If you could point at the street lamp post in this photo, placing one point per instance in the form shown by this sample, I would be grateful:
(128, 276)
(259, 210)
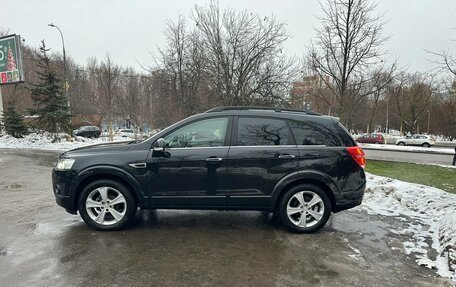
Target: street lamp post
(64, 63)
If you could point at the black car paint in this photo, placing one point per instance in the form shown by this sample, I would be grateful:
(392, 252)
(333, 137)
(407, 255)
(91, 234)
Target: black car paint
(246, 177)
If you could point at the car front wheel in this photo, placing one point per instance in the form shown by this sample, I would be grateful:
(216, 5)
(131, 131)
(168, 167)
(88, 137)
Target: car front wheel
(305, 208)
(106, 205)
(426, 145)
(401, 143)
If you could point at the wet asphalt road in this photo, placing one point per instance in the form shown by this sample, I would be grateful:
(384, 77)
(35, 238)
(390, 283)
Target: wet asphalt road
(42, 245)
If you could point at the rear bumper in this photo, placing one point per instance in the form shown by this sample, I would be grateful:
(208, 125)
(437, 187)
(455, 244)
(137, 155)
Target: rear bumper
(62, 182)
(349, 199)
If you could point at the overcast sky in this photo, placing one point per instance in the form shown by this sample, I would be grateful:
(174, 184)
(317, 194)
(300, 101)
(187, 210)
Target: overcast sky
(131, 30)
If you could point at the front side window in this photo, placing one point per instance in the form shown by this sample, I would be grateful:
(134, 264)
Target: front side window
(262, 131)
(307, 134)
(203, 133)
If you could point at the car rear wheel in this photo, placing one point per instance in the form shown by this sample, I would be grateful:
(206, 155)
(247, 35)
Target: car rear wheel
(401, 143)
(305, 208)
(107, 205)
(377, 143)
(426, 145)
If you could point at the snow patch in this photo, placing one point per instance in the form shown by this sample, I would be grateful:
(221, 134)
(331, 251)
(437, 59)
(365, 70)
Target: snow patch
(44, 142)
(440, 165)
(432, 217)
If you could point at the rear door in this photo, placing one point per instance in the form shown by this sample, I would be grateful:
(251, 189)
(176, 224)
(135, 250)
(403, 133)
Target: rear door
(262, 152)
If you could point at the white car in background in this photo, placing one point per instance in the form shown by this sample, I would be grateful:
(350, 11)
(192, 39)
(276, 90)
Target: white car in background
(416, 140)
(126, 133)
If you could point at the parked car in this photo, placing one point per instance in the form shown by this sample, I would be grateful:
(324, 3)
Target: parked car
(88, 132)
(126, 133)
(298, 164)
(374, 138)
(417, 140)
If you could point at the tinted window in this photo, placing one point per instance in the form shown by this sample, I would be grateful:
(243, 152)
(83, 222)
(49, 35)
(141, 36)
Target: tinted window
(203, 133)
(262, 131)
(308, 134)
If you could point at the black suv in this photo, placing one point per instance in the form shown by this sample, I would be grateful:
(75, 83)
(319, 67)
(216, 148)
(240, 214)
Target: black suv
(87, 131)
(299, 164)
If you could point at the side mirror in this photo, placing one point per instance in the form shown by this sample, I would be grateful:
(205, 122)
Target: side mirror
(160, 145)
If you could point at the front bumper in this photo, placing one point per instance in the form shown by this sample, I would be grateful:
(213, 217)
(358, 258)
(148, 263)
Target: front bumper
(62, 182)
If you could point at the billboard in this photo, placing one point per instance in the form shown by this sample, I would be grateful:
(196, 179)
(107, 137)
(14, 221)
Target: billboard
(11, 60)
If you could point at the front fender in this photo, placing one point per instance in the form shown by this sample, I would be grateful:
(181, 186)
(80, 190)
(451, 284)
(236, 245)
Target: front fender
(111, 172)
(312, 175)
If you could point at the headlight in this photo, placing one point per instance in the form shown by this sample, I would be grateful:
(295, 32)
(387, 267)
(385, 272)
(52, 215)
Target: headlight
(65, 163)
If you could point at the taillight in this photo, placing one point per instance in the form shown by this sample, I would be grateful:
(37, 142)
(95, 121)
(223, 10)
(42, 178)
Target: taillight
(357, 154)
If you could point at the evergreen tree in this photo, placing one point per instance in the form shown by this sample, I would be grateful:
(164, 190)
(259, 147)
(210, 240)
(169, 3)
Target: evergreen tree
(48, 97)
(13, 123)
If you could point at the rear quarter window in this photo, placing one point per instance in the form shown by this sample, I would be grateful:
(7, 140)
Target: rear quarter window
(343, 135)
(311, 134)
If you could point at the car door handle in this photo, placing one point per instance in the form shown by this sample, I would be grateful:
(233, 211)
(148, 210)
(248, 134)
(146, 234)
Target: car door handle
(311, 154)
(214, 159)
(138, 165)
(287, 156)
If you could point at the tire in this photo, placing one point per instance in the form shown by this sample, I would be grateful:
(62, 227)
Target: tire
(291, 210)
(102, 205)
(401, 143)
(376, 143)
(426, 145)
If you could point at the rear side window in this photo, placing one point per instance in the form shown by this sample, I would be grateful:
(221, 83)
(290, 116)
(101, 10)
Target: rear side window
(262, 131)
(309, 134)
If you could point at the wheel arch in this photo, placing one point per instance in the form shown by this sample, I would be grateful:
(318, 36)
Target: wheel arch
(305, 177)
(110, 173)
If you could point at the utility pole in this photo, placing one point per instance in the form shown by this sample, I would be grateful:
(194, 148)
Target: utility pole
(429, 120)
(64, 64)
(387, 114)
(1, 111)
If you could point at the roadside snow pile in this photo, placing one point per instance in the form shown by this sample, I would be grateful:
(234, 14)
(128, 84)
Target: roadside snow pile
(44, 142)
(408, 148)
(433, 216)
(439, 165)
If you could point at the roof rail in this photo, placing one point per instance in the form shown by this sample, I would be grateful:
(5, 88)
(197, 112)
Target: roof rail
(275, 109)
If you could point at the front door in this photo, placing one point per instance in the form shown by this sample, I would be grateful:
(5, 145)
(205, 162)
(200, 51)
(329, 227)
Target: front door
(190, 171)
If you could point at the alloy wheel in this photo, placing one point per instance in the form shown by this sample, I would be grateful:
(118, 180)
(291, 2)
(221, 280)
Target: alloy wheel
(305, 208)
(106, 205)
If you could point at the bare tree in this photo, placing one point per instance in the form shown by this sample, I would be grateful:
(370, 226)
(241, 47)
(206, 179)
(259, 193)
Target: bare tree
(108, 81)
(245, 64)
(130, 100)
(412, 94)
(347, 47)
(445, 62)
(380, 83)
(182, 64)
